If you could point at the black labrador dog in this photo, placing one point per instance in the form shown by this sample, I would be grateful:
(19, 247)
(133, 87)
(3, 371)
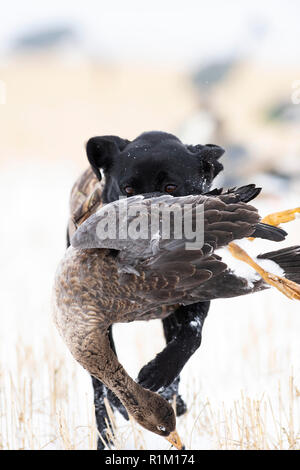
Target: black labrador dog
(155, 162)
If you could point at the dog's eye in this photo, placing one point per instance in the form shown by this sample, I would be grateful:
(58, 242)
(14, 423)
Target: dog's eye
(129, 190)
(170, 188)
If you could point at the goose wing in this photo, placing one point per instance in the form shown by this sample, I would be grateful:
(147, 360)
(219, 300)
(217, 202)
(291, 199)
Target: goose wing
(161, 268)
(136, 224)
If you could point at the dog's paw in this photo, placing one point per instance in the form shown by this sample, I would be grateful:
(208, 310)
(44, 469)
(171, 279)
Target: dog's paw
(155, 376)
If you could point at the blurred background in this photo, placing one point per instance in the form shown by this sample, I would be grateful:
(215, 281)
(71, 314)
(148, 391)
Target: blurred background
(217, 72)
(206, 72)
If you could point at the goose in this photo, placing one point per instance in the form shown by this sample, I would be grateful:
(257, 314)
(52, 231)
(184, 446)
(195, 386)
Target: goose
(103, 280)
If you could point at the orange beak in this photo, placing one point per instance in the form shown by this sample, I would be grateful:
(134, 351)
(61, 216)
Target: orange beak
(174, 439)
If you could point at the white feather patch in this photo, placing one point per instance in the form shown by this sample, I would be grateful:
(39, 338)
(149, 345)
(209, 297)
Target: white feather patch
(242, 269)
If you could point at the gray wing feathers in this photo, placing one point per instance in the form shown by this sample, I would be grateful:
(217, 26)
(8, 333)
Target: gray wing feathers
(170, 273)
(222, 223)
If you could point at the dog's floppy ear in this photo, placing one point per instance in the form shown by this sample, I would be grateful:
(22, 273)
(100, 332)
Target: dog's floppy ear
(101, 150)
(212, 151)
(209, 155)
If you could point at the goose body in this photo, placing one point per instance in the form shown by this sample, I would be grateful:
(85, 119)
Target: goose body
(100, 282)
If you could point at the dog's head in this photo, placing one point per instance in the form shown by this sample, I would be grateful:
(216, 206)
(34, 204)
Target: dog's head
(153, 162)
